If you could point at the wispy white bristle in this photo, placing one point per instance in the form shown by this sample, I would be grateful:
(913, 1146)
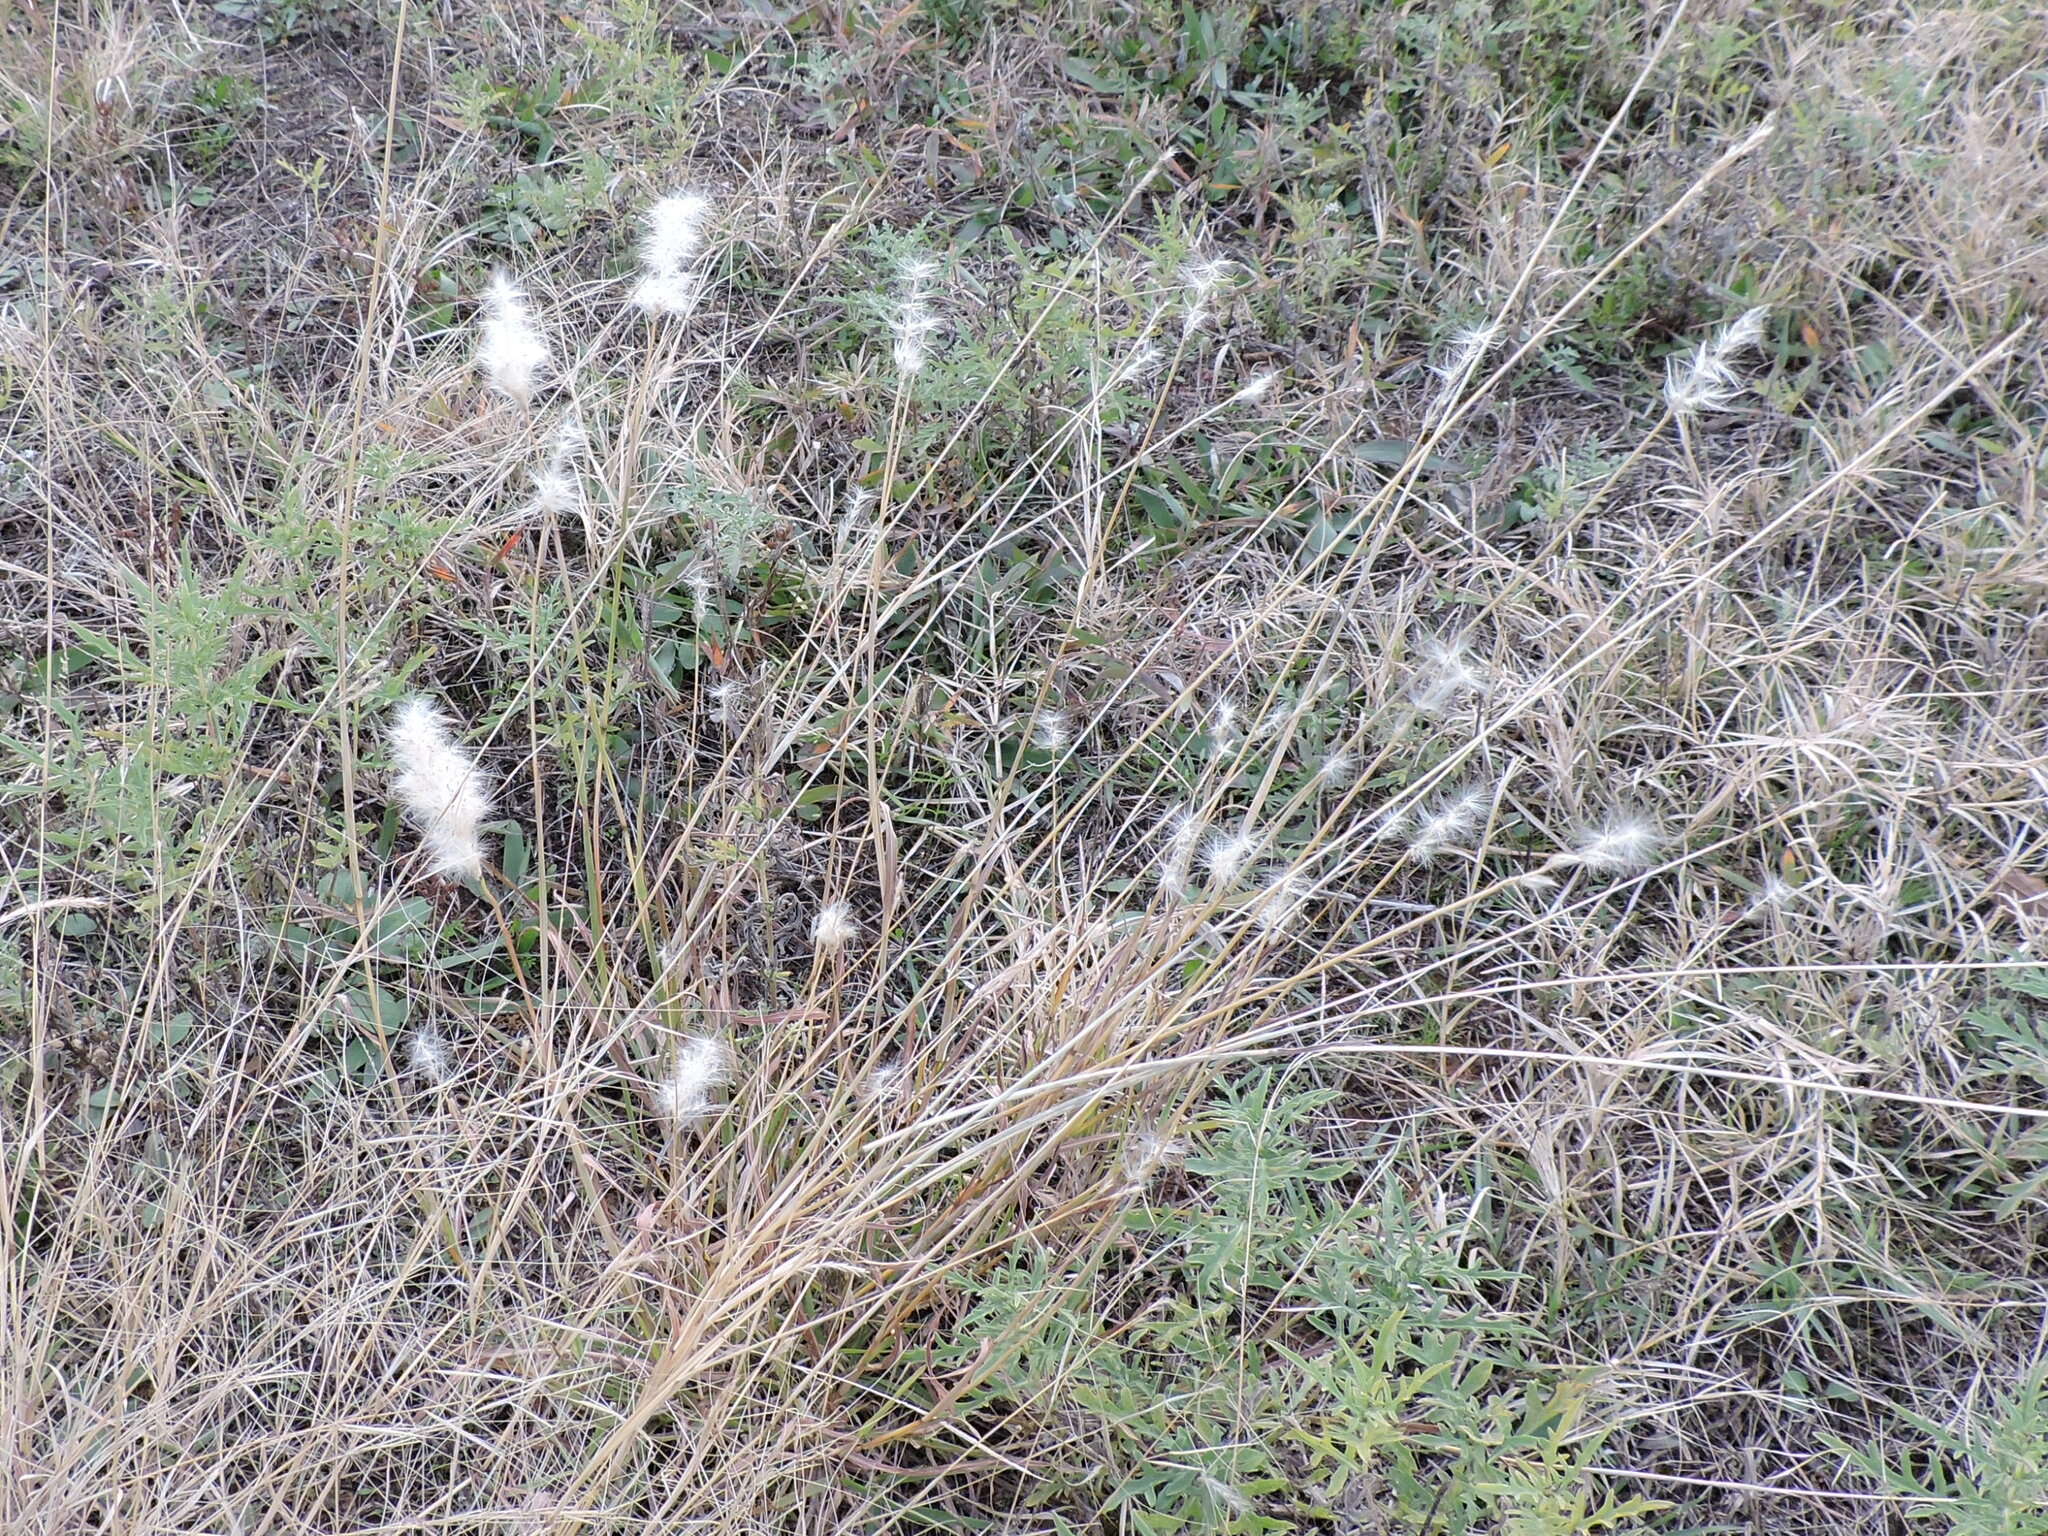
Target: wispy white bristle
(888, 1082)
(429, 1056)
(915, 326)
(1052, 732)
(1468, 348)
(1338, 769)
(1147, 1153)
(1281, 899)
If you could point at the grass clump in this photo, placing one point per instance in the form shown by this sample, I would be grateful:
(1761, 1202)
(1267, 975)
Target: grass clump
(993, 770)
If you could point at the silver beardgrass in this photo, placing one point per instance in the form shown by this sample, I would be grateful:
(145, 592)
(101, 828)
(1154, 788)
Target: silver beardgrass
(1180, 830)
(674, 239)
(557, 489)
(1256, 388)
(1201, 278)
(428, 1055)
(686, 1094)
(1618, 846)
(1448, 822)
(442, 791)
(510, 352)
(915, 325)
(833, 928)
(1467, 350)
(1282, 897)
(1704, 379)
(1226, 854)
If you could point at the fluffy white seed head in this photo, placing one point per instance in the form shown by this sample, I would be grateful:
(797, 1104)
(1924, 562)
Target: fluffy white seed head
(729, 700)
(1447, 676)
(674, 240)
(1147, 1153)
(914, 328)
(1226, 854)
(1141, 362)
(1052, 732)
(556, 492)
(1618, 846)
(510, 353)
(1180, 834)
(701, 1066)
(887, 1083)
(429, 1056)
(1704, 379)
(1201, 278)
(1468, 348)
(1225, 722)
(442, 791)
(834, 927)
(1338, 769)
(556, 487)
(1281, 899)
(669, 293)
(1204, 276)
(1256, 388)
(675, 232)
(1448, 822)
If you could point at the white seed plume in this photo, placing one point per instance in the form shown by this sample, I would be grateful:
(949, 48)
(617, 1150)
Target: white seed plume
(674, 240)
(1144, 358)
(675, 232)
(729, 699)
(1451, 820)
(440, 787)
(510, 352)
(1223, 722)
(1226, 854)
(1052, 732)
(834, 927)
(1281, 899)
(1181, 831)
(1704, 379)
(888, 1082)
(1256, 388)
(1468, 349)
(429, 1055)
(1447, 677)
(669, 293)
(556, 487)
(1337, 770)
(1773, 895)
(1618, 846)
(701, 1066)
(1201, 279)
(915, 325)
(1147, 1153)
